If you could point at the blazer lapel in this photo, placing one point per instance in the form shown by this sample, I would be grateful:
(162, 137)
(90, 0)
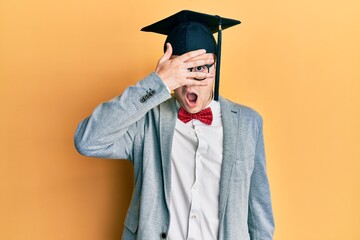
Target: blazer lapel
(230, 119)
(168, 116)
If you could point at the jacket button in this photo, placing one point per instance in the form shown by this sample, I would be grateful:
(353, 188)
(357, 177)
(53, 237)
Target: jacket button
(163, 235)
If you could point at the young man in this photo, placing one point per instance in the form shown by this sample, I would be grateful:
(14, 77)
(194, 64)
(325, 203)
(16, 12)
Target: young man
(199, 161)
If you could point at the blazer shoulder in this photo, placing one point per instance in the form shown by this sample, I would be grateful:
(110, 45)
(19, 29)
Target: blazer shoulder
(246, 111)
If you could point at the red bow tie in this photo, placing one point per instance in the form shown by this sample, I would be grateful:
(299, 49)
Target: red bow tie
(204, 116)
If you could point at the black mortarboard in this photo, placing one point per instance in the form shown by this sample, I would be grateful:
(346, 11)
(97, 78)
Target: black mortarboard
(187, 31)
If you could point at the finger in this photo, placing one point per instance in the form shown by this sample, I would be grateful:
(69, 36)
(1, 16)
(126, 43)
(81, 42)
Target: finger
(186, 56)
(191, 82)
(199, 75)
(167, 53)
(202, 56)
(197, 63)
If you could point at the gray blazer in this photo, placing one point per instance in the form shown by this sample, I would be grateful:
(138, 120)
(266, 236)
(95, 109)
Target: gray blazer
(139, 126)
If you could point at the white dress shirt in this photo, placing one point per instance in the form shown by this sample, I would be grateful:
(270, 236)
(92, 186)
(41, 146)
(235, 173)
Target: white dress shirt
(196, 158)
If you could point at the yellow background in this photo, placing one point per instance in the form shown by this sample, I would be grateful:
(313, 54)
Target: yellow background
(296, 62)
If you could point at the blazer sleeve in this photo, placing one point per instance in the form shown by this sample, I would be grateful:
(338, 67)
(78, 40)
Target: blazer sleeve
(110, 130)
(260, 218)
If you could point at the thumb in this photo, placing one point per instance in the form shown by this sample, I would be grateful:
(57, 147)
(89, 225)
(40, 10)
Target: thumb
(167, 53)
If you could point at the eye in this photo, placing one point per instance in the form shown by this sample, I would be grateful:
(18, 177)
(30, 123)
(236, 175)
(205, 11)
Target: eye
(200, 68)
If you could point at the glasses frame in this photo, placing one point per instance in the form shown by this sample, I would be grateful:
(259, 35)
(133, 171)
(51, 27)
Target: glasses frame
(208, 66)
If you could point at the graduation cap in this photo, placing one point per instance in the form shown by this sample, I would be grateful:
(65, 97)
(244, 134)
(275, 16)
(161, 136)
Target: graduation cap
(187, 31)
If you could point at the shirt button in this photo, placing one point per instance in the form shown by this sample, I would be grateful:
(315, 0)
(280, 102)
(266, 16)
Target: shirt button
(193, 216)
(163, 235)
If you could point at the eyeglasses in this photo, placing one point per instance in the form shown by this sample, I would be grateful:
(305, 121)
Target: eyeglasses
(203, 69)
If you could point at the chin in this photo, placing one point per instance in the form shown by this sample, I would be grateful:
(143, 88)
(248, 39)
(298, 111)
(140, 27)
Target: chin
(193, 109)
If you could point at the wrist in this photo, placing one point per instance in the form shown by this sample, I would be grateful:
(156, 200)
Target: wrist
(164, 82)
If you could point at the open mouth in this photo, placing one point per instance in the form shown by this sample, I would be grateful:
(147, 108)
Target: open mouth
(191, 97)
